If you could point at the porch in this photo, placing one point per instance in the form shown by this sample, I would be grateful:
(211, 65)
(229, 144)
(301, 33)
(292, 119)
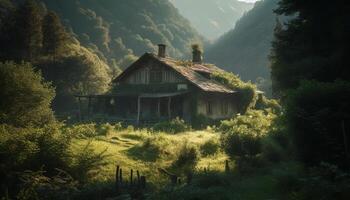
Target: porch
(132, 109)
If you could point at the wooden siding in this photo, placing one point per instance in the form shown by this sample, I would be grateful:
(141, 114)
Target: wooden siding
(217, 106)
(153, 74)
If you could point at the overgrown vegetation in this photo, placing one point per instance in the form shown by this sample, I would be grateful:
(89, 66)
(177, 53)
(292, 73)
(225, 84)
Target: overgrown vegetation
(246, 89)
(176, 125)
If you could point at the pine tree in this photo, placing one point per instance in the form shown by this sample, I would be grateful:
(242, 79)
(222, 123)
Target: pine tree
(54, 35)
(27, 32)
(314, 44)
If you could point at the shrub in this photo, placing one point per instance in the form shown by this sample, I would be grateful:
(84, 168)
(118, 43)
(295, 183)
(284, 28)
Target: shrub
(318, 117)
(242, 135)
(105, 129)
(212, 179)
(202, 122)
(118, 126)
(25, 96)
(174, 126)
(272, 151)
(87, 163)
(326, 181)
(265, 103)
(81, 131)
(247, 89)
(33, 149)
(210, 147)
(187, 158)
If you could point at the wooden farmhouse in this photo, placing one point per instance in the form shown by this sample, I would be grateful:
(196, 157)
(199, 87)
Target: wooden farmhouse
(156, 88)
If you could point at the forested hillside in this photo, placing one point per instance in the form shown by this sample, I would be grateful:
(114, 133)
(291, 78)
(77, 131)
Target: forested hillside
(212, 18)
(245, 49)
(32, 34)
(119, 30)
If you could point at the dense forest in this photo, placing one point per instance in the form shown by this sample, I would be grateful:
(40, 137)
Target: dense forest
(117, 37)
(212, 18)
(245, 49)
(293, 147)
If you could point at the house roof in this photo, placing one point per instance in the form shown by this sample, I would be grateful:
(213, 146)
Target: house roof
(190, 71)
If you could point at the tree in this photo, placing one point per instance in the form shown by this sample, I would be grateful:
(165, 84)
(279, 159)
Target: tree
(310, 71)
(54, 34)
(313, 45)
(25, 96)
(26, 34)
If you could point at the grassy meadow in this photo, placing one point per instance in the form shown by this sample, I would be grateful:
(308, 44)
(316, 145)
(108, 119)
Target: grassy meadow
(147, 150)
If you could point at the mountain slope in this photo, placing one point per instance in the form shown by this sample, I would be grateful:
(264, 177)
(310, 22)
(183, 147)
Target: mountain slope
(245, 49)
(119, 29)
(212, 18)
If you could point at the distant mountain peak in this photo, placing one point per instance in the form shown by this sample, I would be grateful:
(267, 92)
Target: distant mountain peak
(212, 18)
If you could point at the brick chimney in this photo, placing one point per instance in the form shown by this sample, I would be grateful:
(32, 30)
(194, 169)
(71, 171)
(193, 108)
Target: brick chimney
(196, 54)
(161, 50)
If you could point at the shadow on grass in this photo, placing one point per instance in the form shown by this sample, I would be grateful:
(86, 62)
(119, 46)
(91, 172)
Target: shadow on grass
(132, 137)
(147, 151)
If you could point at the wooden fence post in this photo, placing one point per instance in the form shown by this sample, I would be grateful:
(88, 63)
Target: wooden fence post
(227, 166)
(131, 174)
(143, 182)
(117, 178)
(121, 176)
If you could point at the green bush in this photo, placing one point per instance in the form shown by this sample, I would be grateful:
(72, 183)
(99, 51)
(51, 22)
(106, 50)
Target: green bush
(272, 150)
(87, 163)
(211, 179)
(264, 103)
(318, 121)
(25, 96)
(174, 126)
(247, 89)
(33, 149)
(325, 181)
(200, 122)
(242, 136)
(105, 129)
(210, 147)
(81, 130)
(187, 158)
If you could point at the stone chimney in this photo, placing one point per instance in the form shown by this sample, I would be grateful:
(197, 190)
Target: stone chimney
(197, 54)
(161, 50)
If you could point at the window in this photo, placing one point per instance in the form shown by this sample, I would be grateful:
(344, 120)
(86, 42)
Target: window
(155, 75)
(224, 108)
(209, 108)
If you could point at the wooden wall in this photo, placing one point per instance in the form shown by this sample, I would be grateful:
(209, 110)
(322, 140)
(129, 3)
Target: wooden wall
(153, 73)
(222, 106)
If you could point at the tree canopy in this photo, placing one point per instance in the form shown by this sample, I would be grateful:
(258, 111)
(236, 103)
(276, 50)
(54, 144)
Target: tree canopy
(25, 96)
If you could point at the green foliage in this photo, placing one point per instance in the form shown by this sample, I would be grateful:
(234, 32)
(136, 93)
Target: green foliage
(265, 103)
(124, 30)
(26, 33)
(173, 126)
(247, 90)
(318, 118)
(245, 49)
(36, 185)
(210, 147)
(25, 96)
(303, 49)
(87, 163)
(325, 181)
(200, 122)
(187, 158)
(81, 131)
(31, 149)
(54, 35)
(87, 75)
(242, 135)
